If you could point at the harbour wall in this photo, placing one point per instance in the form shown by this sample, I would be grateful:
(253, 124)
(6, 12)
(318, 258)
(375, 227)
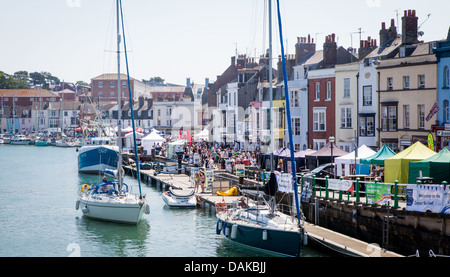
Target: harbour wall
(404, 232)
(395, 229)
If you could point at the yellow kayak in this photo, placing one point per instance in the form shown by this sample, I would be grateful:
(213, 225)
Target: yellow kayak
(231, 192)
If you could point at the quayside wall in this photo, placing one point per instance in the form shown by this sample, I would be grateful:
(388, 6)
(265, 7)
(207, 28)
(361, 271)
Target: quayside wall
(399, 230)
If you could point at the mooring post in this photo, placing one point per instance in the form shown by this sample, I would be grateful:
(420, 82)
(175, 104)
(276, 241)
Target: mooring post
(395, 194)
(314, 184)
(357, 191)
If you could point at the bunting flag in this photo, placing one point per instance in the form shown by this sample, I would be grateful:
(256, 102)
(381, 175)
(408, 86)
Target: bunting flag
(433, 111)
(189, 137)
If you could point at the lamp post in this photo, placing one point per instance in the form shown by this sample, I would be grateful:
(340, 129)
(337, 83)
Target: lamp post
(331, 139)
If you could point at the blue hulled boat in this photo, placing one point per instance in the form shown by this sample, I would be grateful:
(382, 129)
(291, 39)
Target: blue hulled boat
(98, 154)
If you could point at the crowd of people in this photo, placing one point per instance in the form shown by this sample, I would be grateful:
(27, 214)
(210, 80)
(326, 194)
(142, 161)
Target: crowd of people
(213, 155)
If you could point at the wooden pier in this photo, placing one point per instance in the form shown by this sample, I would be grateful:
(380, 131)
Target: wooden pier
(317, 235)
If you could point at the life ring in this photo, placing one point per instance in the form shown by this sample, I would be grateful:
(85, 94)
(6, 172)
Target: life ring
(220, 207)
(84, 187)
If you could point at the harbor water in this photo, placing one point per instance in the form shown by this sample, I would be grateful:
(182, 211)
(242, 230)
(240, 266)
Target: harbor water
(38, 191)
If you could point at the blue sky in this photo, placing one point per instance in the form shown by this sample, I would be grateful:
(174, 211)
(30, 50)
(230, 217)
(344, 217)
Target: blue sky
(176, 39)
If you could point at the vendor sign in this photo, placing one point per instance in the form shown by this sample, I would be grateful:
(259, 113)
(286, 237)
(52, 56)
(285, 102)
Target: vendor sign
(343, 185)
(433, 198)
(378, 193)
(284, 181)
(240, 170)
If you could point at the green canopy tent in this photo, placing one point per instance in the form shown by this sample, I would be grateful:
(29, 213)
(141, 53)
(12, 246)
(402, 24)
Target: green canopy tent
(436, 166)
(379, 157)
(397, 166)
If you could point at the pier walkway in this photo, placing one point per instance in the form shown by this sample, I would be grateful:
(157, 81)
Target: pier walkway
(327, 238)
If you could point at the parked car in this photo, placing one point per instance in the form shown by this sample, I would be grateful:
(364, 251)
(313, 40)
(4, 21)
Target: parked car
(321, 171)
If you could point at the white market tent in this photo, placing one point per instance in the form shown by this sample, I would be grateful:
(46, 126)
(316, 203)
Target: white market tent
(127, 129)
(349, 159)
(148, 141)
(202, 135)
(129, 140)
(172, 148)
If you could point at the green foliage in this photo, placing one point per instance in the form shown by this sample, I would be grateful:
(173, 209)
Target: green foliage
(10, 82)
(82, 83)
(154, 80)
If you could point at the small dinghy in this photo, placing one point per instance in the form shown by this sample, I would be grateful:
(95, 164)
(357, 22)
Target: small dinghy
(180, 200)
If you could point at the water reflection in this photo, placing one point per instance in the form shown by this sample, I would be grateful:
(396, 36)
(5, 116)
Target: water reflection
(110, 239)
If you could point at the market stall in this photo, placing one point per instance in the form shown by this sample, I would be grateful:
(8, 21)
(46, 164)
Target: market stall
(397, 166)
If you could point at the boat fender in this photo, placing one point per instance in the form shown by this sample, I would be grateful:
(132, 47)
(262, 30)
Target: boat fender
(77, 205)
(85, 209)
(305, 238)
(84, 187)
(147, 209)
(218, 227)
(227, 231)
(264, 235)
(234, 231)
(224, 227)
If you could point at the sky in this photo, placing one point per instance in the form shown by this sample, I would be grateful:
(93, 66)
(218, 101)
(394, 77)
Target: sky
(177, 39)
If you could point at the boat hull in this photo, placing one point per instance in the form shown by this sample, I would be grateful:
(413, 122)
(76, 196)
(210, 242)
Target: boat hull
(20, 142)
(113, 212)
(41, 143)
(94, 159)
(180, 201)
(270, 240)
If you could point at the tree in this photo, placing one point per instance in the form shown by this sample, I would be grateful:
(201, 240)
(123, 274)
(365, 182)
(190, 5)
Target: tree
(37, 78)
(154, 80)
(9, 82)
(82, 83)
(44, 78)
(22, 75)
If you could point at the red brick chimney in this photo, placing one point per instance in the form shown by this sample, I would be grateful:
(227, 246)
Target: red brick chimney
(329, 51)
(303, 48)
(409, 27)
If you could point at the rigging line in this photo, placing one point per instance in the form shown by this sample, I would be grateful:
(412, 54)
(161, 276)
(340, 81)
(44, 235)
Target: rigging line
(288, 113)
(106, 57)
(252, 20)
(264, 29)
(131, 104)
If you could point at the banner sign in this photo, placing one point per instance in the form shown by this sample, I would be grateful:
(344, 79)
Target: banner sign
(422, 198)
(284, 181)
(378, 193)
(336, 184)
(240, 170)
(193, 171)
(307, 189)
(209, 178)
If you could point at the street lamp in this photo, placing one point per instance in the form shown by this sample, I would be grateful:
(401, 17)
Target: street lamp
(331, 139)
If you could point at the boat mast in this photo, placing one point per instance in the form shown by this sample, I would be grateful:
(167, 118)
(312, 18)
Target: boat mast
(119, 102)
(288, 114)
(270, 85)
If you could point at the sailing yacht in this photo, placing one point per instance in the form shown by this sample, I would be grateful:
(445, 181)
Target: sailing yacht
(111, 200)
(260, 225)
(264, 227)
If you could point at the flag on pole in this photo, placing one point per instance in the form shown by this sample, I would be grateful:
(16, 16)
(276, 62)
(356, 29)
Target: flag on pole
(189, 137)
(433, 111)
(181, 134)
